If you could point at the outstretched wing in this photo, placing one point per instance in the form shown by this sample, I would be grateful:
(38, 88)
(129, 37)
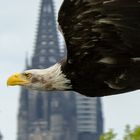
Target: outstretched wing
(100, 29)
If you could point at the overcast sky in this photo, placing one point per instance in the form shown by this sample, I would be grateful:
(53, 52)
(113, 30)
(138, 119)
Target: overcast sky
(18, 23)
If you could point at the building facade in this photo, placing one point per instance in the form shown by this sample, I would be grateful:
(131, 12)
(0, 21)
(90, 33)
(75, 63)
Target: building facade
(55, 115)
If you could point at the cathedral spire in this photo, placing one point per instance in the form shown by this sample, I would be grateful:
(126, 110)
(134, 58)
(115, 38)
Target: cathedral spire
(47, 46)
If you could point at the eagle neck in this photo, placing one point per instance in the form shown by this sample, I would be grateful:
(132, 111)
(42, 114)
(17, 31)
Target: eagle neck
(57, 78)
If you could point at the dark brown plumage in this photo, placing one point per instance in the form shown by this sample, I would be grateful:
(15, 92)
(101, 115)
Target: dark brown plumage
(103, 44)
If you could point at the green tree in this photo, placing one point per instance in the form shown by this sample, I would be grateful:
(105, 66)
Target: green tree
(130, 134)
(136, 133)
(110, 135)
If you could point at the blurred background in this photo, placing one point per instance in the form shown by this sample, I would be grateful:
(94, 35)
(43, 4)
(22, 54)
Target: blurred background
(19, 29)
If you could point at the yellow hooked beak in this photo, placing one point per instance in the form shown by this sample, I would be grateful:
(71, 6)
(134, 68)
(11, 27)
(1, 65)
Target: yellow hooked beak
(17, 79)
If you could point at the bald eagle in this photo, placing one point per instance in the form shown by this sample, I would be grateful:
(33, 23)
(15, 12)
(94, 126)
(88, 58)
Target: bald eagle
(103, 50)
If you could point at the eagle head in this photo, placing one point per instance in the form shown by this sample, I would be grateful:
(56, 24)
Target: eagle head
(31, 78)
(41, 79)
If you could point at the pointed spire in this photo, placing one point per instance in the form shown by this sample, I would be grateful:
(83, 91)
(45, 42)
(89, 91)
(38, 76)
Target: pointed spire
(46, 51)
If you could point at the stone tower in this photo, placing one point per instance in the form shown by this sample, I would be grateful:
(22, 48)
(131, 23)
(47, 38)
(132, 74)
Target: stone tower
(55, 115)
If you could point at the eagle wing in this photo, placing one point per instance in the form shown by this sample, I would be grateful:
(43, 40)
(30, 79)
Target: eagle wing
(99, 29)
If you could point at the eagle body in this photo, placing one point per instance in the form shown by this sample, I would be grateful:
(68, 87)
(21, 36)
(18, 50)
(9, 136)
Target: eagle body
(103, 50)
(103, 79)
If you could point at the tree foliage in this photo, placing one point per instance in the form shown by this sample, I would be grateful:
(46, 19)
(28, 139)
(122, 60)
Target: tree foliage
(110, 135)
(130, 134)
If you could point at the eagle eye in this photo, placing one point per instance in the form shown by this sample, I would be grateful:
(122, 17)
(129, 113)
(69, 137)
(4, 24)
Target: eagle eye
(27, 75)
